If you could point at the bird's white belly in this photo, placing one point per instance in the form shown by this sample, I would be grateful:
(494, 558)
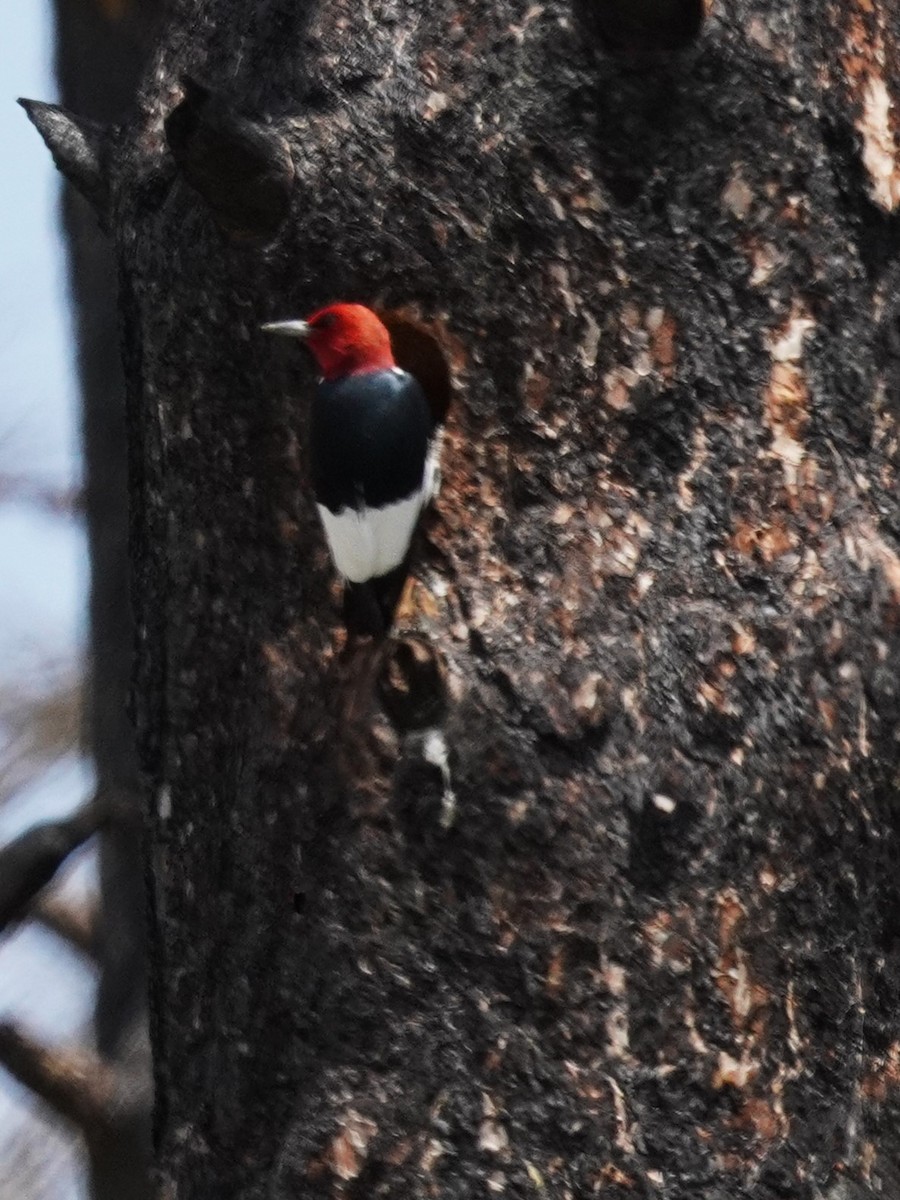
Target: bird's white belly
(369, 542)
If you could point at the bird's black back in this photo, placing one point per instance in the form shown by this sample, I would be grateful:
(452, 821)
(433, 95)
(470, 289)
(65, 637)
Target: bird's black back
(369, 439)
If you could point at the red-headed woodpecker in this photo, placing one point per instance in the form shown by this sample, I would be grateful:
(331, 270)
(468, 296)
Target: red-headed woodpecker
(374, 452)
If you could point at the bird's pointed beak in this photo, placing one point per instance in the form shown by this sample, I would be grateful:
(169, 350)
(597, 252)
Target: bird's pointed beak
(297, 329)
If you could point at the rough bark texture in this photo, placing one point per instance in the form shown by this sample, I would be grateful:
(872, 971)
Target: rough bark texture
(656, 954)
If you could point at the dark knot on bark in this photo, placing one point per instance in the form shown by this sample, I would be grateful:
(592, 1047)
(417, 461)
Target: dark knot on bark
(240, 167)
(641, 31)
(412, 683)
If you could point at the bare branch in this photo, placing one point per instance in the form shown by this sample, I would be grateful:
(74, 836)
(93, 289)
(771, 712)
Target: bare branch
(77, 146)
(74, 1082)
(60, 501)
(30, 862)
(75, 923)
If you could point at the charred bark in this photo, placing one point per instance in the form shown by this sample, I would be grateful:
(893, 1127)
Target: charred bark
(655, 951)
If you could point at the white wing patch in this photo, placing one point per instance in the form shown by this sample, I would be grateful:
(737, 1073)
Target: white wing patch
(369, 542)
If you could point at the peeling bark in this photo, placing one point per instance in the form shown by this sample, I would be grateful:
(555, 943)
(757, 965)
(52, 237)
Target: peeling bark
(655, 951)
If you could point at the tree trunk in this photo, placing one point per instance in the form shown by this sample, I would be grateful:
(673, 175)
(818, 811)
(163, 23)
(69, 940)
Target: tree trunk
(101, 51)
(656, 951)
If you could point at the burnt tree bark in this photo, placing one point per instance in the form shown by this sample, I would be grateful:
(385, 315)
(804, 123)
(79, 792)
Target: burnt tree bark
(656, 952)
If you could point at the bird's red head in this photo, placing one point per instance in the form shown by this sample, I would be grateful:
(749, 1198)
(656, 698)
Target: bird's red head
(348, 339)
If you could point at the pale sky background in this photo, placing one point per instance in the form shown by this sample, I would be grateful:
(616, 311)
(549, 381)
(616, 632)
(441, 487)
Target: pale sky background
(43, 577)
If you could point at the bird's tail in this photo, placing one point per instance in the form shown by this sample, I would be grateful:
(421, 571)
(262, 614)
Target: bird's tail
(369, 607)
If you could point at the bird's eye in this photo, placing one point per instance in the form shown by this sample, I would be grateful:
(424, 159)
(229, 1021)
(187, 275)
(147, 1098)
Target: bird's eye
(325, 321)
